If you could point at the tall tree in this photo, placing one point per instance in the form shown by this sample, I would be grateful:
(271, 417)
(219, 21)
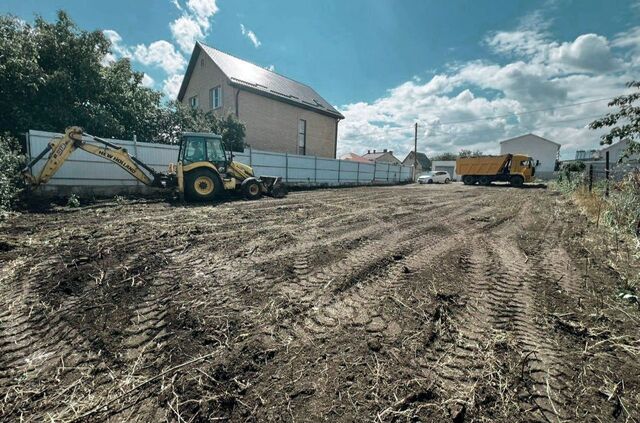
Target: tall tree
(625, 121)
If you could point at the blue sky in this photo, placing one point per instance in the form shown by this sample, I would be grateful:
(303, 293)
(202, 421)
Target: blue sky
(386, 64)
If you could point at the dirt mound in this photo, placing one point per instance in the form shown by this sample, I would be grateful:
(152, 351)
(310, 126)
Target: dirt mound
(414, 303)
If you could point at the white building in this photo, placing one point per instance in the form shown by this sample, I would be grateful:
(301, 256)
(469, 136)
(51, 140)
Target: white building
(542, 149)
(616, 151)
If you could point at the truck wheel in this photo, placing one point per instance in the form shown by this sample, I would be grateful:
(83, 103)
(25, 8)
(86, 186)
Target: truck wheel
(468, 180)
(202, 185)
(251, 189)
(516, 180)
(484, 180)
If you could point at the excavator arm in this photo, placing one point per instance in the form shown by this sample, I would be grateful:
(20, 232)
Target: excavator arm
(62, 148)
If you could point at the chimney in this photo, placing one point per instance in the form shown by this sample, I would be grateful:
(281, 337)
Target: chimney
(368, 151)
(374, 151)
(384, 151)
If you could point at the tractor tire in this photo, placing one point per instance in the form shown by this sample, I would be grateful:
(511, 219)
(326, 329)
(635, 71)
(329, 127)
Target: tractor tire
(251, 189)
(484, 180)
(468, 180)
(202, 185)
(516, 181)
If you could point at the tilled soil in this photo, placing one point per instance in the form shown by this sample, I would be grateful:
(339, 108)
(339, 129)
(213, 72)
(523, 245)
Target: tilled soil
(412, 303)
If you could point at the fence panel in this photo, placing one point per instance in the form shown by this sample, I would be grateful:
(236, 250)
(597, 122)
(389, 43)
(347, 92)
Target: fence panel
(88, 173)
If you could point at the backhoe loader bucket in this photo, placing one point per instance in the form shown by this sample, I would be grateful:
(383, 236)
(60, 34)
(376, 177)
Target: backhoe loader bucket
(273, 186)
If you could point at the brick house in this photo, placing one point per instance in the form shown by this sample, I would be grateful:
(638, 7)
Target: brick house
(280, 114)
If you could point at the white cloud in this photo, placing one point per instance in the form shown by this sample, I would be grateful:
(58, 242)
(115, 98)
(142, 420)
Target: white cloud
(251, 36)
(171, 86)
(451, 106)
(202, 10)
(176, 4)
(186, 31)
(588, 52)
(147, 81)
(161, 54)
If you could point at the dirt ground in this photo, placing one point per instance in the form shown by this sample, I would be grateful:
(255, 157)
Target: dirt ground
(411, 303)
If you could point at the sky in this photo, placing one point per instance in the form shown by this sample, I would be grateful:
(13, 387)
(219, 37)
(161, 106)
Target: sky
(470, 73)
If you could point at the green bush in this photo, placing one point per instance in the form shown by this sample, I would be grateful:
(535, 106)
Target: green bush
(623, 210)
(11, 161)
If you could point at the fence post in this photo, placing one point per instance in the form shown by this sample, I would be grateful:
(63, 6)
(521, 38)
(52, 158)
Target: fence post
(358, 175)
(375, 167)
(339, 168)
(315, 169)
(286, 167)
(606, 174)
(590, 177)
(388, 170)
(250, 156)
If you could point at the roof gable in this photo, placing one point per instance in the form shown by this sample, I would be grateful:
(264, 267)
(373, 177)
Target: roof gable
(532, 135)
(422, 159)
(261, 81)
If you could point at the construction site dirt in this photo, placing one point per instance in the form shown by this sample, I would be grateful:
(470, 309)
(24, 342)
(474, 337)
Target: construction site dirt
(407, 303)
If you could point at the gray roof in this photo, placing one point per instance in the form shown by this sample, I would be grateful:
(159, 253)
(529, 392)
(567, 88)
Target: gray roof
(261, 81)
(422, 159)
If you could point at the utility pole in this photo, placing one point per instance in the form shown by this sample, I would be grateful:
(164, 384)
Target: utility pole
(415, 152)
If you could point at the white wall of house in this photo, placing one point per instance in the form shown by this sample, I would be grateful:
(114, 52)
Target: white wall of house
(616, 151)
(448, 165)
(536, 147)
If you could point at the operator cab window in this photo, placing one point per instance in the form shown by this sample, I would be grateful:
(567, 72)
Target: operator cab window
(215, 151)
(194, 150)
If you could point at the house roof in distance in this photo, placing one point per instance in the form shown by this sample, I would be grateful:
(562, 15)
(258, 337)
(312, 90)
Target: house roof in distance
(534, 135)
(261, 81)
(422, 159)
(354, 158)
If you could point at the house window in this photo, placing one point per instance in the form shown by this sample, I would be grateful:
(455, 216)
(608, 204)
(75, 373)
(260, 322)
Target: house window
(202, 62)
(193, 102)
(216, 97)
(302, 137)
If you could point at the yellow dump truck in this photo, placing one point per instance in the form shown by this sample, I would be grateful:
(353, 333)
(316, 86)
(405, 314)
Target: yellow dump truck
(513, 168)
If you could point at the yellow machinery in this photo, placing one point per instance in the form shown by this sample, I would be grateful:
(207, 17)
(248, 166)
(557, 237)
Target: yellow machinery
(203, 170)
(513, 168)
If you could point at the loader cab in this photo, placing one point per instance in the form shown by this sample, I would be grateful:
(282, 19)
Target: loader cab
(202, 147)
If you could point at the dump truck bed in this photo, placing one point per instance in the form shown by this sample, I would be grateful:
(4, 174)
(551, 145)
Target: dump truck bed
(484, 165)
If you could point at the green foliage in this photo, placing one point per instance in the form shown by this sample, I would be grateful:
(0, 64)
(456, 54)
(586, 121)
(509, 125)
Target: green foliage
(73, 201)
(11, 161)
(573, 167)
(54, 75)
(445, 156)
(627, 119)
(177, 118)
(468, 153)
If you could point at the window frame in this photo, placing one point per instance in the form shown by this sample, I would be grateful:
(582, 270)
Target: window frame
(191, 102)
(302, 149)
(212, 97)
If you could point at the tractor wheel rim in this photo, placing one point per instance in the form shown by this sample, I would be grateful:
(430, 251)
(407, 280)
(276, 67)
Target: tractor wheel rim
(203, 185)
(253, 189)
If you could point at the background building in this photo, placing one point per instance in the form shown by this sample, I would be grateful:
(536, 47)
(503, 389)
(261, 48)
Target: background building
(542, 149)
(424, 164)
(281, 114)
(384, 156)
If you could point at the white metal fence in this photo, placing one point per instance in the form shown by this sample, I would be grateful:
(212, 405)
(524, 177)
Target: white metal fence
(88, 174)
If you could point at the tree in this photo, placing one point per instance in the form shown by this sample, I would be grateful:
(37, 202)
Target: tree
(627, 119)
(469, 153)
(53, 75)
(445, 156)
(177, 118)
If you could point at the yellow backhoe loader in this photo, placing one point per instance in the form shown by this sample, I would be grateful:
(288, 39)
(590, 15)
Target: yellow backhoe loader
(203, 170)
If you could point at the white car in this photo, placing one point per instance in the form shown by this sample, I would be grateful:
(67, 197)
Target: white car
(436, 176)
